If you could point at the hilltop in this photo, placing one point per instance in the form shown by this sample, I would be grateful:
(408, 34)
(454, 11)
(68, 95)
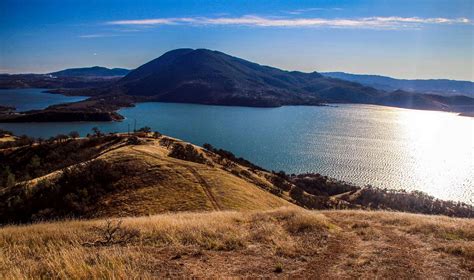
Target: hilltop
(113, 176)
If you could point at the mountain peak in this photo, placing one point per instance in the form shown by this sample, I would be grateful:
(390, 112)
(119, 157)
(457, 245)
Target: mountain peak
(211, 77)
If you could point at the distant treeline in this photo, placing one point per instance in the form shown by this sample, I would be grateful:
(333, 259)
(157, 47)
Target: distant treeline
(315, 191)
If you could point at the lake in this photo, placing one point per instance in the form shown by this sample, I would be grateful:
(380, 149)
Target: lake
(33, 98)
(386, 147)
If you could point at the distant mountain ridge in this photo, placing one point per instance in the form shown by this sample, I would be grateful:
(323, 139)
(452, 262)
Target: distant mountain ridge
(204, 76)
(434, 86)
(95, 71)
(212, 77)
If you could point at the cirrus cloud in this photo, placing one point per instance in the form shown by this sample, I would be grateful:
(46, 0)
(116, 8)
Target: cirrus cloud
(259, 21)
(91, 36)
(307, 10)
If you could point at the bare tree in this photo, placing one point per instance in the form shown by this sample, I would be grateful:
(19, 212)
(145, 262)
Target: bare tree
(112, 232)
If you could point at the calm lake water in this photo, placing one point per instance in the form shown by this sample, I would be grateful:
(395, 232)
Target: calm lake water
(33, 98)
(386, 147)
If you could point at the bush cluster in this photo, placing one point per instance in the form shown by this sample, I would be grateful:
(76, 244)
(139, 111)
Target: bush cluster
(230, 156)
(314, 191)
(186, 152)
(73, 194)
(24, 163)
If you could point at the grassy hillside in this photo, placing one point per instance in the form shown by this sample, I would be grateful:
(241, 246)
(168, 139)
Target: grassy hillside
(119, 175)
(122, 176)
(163, 183)
(287, 242)
(218, 216)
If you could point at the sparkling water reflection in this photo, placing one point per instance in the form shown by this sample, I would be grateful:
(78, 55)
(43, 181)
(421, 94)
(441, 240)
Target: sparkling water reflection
(385, 147)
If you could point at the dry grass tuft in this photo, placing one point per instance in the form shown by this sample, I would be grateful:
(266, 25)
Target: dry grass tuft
(459, 249)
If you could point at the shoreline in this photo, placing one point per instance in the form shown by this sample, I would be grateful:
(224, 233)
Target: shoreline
(106, 111)
(315, 191)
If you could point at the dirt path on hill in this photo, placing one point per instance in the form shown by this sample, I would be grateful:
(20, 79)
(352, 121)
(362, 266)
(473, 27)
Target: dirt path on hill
(206, 187)
(333, 260)
(374, 249)
(201, 181)
(356, 249)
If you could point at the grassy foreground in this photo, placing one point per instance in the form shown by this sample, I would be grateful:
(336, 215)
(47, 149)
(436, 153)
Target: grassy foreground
(286, 242)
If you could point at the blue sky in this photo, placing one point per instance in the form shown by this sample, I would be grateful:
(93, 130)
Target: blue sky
(406, 39)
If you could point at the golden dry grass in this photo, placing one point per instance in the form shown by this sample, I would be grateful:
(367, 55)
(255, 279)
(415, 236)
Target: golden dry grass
(165, 184)
(168, 184)
(240, 231)
(8, 138)
(434, 246)
(288, 242)
(60, 250)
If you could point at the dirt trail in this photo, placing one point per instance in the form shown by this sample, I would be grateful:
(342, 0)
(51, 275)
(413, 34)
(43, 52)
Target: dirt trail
(202, 182)
(379, 250)
(332, 260)
(206, 187)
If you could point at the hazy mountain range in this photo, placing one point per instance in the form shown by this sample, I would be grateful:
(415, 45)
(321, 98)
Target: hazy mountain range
(209, 77)
(434, 86)
(95, 71)
(212, 77)
(444, 87)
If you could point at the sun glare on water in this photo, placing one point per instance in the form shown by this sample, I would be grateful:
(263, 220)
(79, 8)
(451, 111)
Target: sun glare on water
(438, 151)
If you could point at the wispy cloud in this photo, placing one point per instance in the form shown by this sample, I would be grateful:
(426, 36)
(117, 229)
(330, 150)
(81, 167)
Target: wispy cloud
(152, 21)
(91, 36)
(250, 20)
(307, 10)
